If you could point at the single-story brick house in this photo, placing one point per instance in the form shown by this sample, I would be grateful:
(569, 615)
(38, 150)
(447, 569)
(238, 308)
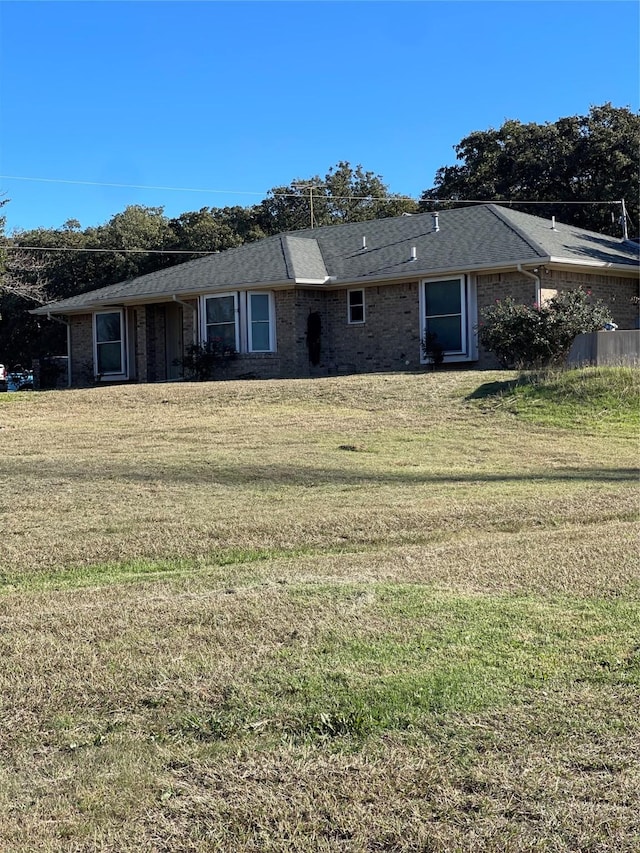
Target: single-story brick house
(356, 297)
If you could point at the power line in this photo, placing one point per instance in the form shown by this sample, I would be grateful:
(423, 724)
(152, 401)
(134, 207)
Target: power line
(510, 201)
(298, 194)
(126, 186)
(200, 189)
(119, 251)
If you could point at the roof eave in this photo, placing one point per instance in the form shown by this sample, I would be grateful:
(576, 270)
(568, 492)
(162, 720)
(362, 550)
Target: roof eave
(167, 296)
(631, 268)
(334, 283)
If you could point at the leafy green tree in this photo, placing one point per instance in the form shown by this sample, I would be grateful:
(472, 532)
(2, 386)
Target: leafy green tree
(213, 229)
(575, 159)
(344, 194)
(44, 265)
(136, 229)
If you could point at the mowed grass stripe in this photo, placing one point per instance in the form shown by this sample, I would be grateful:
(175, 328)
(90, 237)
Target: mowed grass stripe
(107, 476)
(593, 557)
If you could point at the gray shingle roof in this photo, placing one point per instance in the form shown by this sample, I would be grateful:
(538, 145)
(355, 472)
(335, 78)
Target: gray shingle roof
(569, 242)
(304, 259)
(468, 238)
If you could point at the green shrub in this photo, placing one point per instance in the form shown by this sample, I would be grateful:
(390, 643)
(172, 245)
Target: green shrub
(432, 349)
(203, 361)
(539, 335)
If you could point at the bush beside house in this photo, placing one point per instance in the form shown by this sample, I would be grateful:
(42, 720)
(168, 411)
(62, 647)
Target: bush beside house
(539, 335)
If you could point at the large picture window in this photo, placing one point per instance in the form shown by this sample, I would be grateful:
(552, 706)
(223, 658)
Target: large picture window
(444, 315)
(109, 343)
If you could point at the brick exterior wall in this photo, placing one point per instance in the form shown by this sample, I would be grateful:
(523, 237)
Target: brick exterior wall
(388, 340)
(156, 355)
(618, 293)
(81, 328)
(140, 344)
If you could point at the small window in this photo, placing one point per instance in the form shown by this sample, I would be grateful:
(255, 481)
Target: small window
(355, 306)
(109, 343)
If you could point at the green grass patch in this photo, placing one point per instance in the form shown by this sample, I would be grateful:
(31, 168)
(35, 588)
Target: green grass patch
(396, 655)
(134, 571)
(596, 398)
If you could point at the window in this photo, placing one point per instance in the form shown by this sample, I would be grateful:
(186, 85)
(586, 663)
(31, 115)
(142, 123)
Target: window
(221, 324)
(444, 314)
(109, 356)
(259, 322)
(355, 306)
(242, 322)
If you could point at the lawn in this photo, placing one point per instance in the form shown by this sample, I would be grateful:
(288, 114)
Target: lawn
(368, 613)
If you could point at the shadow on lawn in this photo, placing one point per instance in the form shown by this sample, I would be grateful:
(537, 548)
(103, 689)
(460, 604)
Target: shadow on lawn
(494, 389)
(299, 475)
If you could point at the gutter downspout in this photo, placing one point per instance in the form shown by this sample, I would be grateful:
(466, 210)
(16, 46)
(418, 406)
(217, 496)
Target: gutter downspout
(68, 325)
(194, 308)
(536, 278)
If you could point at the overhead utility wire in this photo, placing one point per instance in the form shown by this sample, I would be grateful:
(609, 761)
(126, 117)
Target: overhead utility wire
(296, 195)
(80, 250)
(126, 186)
(119, 251)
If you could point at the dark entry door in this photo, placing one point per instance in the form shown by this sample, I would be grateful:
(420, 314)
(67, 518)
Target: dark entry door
(174, 346)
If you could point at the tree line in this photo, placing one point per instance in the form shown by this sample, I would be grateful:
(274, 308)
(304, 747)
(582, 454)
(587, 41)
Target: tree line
(564, 164)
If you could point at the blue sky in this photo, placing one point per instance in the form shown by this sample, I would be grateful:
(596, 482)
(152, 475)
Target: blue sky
(237, 98)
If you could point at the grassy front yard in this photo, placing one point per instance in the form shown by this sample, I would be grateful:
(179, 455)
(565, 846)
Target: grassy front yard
(366, 613)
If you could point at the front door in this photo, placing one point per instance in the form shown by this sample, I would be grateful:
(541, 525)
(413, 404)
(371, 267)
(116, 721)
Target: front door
(174, 340)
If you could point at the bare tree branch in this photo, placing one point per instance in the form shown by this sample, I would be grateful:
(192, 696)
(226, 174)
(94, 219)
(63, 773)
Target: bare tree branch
(26, 276)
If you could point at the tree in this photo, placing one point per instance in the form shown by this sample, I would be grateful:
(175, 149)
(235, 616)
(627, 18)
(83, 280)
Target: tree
(44, 265)
(344, 194)
(213, 229)
(575, 159)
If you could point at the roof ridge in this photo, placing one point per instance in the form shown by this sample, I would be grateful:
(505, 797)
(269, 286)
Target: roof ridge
(360, 222)
(497, 211)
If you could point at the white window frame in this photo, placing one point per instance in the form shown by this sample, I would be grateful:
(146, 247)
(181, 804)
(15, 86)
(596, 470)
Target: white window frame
(243, 320)
(116, 374)
(271, 321)
(467, 311)
(350, 320)
(205, 325)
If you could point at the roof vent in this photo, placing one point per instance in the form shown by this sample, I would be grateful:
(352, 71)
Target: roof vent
(414, 253)
(436, 226)
(553, 223)
(364, 242)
